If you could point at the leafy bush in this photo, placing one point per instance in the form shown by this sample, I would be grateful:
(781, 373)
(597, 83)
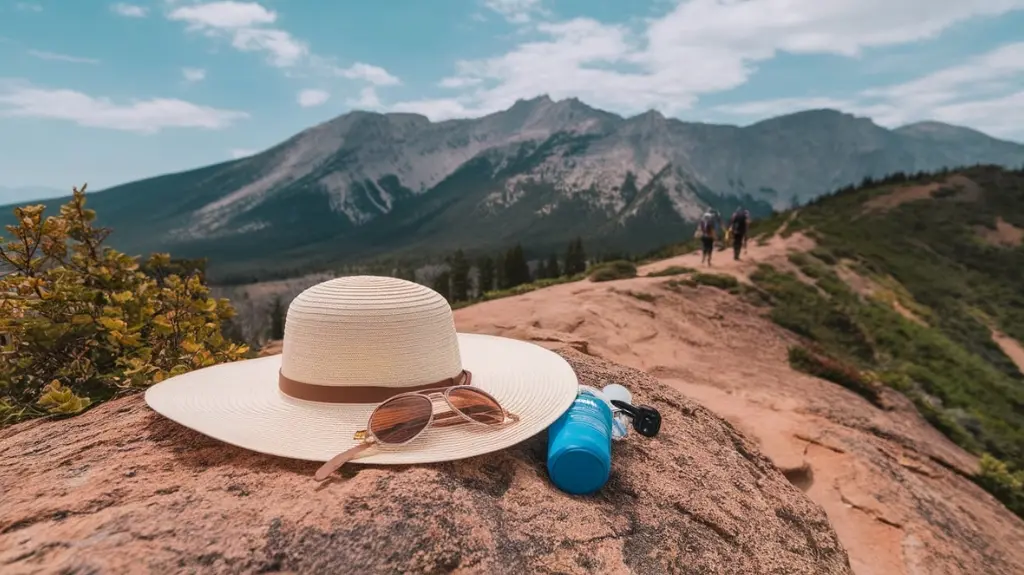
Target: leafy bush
(85, 322)
(642, 296)
(671, 271)
(825, 256)
(614, 270)
(821, 365)
(801, 309)
(720, 281)
(1006, 484)
(675, 284)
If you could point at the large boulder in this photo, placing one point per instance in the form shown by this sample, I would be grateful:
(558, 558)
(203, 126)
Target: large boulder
(120, 489)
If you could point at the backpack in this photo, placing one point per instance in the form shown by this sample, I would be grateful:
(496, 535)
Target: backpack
(706, 226)
(740, 221)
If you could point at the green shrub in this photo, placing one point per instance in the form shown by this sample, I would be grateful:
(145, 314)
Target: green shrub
(86, 322)
(799, 308)
(642, 296)
(671, 271)
(674, 285)
(720, 281)
(928, 255)
(819, 364)
(614, 270)
(825, 256)
(519, 290)
(1006, 484)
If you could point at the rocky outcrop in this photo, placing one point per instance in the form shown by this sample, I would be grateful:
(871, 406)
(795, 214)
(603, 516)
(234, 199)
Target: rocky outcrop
(897, 492)
(120, 489)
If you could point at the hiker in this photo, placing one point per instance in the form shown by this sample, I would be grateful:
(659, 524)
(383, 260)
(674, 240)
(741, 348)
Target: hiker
(746, 236)
(707, 226)
(738, 228)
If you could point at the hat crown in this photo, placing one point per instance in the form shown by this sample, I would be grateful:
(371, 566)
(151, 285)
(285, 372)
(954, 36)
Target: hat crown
(370, 331)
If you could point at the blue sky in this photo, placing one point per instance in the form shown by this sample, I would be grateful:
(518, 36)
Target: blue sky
(109, 92)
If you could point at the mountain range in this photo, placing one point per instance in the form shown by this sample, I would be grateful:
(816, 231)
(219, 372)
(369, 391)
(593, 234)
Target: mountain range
(368, 185)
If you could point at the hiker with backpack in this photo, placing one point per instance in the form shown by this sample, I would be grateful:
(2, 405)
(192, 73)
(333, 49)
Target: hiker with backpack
(707, 229)
(738, 228)
(746, 236)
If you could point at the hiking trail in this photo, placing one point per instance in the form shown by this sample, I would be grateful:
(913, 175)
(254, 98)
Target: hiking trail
(893, 486)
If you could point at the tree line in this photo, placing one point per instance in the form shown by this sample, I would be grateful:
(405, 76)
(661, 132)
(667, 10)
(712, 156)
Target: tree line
(503, 271)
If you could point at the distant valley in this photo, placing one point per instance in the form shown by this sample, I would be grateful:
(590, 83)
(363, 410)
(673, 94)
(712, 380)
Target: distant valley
(367, 185)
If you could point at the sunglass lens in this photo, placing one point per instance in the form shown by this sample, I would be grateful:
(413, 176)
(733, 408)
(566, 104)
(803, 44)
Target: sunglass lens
(476, 405)
(401, 419)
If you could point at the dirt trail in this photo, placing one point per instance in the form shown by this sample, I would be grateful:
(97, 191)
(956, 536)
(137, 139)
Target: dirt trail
(775, 252)
(1011, 347)
(891, 485)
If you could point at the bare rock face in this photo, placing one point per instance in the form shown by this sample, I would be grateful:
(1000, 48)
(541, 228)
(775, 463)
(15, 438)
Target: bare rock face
(121, 489)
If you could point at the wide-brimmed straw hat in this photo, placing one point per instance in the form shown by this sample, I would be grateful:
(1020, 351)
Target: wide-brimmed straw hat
(349, 343)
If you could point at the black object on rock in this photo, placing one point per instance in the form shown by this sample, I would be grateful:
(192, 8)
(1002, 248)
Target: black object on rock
(646, 419)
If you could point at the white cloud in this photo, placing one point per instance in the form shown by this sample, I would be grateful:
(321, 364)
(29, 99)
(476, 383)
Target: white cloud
(367, 72)
(43, 55)
(515, 11)
(144, 116)
(249, 28)
(283, 50)
(697, 47)
(310, 98)
(28, 7)
(193, 75)
(456, 82)
(985, 92)
(368, 100)
(129, 10)
(237, 153)
(226, 14)
(242, 22)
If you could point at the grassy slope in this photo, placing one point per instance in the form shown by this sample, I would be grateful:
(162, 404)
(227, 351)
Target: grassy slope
(928, 256)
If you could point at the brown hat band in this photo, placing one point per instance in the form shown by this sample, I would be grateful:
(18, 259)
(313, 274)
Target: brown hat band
(360, 393)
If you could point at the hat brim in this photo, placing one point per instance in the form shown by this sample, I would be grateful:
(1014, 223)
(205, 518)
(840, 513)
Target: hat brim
(239, 403)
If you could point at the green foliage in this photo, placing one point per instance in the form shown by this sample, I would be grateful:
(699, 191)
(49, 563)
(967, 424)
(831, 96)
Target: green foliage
(517, 270)
(614, 270)
(720, 281)
(767, 227)
(549, 269)
(182, 268)
(820, 364)
(1001, 480)
(803, 310)
(277, 316)
(575, 258)
(520, 289)
(485, 274)
(671, 271)
(928, 256)
(642, 296)
(507, 275)
(674, 284)
(459, 270)
(443, 284)
(84, 321)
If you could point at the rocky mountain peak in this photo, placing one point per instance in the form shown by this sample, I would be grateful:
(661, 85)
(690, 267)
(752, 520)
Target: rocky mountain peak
(554, 168)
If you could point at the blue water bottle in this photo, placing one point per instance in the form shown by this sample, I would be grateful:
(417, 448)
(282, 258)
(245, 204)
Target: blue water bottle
(580, 444)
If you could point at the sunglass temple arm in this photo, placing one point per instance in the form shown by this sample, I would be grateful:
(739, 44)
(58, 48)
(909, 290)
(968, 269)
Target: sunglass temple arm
(340, 459)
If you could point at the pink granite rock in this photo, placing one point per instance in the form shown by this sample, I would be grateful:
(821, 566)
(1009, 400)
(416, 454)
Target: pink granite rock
(122, 490)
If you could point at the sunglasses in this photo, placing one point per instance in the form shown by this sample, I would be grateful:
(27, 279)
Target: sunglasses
(404, 417)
